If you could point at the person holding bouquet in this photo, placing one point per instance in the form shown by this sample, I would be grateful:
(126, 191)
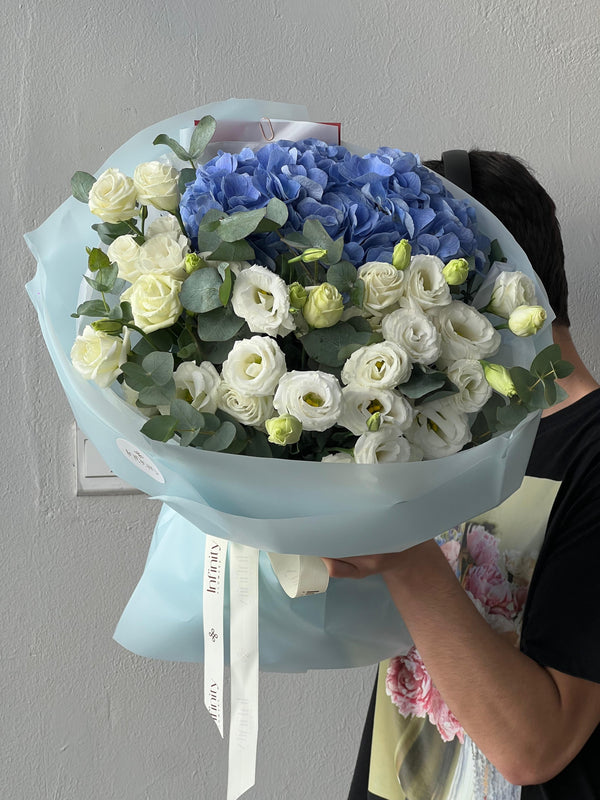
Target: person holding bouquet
(502, 687)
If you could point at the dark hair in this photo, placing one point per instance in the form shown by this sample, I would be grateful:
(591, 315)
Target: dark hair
(505, 185)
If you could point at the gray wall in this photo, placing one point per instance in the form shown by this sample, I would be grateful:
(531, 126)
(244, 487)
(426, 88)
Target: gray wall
(83, 719)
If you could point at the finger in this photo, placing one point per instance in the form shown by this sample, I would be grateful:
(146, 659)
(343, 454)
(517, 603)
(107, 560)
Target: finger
(338, 568)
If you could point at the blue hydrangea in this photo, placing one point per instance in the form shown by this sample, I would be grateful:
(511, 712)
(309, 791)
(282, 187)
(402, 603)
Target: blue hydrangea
(373, 201)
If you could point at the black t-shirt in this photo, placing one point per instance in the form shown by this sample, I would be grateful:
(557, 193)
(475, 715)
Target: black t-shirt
(561, 618)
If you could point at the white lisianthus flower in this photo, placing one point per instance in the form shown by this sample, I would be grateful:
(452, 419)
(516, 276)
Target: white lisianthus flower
(254, 366)
(527, 320)
(262, 299)
(413, 330)
(465, 333)
(156, 184)
(98, 356)
(425, 283)
(154, 301)
(284, 430)
(125, 253)
(197, 385)
(511, 289)
(473, 389)
(247, 409)
(383, 365)
(360, 403)
(338, 458)
(439, 429)
(113, 197)
(382, 447)
(384, 286)
(164, 253)
(313, 397)
(166, 223)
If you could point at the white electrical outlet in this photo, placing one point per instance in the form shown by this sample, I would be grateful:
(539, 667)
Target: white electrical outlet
(94, 476)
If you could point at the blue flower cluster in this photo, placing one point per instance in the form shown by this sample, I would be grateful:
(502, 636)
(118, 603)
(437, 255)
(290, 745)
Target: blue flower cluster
(373, 201)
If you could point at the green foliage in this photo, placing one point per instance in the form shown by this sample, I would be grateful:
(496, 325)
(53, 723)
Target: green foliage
(218, 325)
(200, 290)
(109, 231)
(81, 184)
(232, 251)
(91, 308)
(226, 287)
(174, 145)
(203, 133)
(332, 346)
(160, 428)
(186, 176)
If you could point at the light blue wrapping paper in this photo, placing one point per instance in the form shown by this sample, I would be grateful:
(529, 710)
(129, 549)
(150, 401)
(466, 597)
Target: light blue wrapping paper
(293, 507)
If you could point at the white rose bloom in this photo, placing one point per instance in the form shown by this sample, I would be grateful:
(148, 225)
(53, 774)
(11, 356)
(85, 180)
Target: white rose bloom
(125, 253)
(465, 333)
(98, 356)
(511, 289)
(313, 397)
(164, 253)
(473, 389)
(359, 404)
(156, 184)
(415, 332)
(166, 223)
(383, 365)
(113, 197)
(154, 301)
(439, 429)
(381, 447)
(262, 299)
(254, 366)
(425, 283)
(247, 409)
(383, 286)
(197, 384)
(338, 458)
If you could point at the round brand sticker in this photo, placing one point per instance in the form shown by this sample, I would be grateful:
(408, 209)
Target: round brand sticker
(140, 459)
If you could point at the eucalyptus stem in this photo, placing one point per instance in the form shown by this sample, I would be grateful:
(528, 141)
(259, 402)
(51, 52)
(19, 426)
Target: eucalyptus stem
(135, 328)
(177, 215)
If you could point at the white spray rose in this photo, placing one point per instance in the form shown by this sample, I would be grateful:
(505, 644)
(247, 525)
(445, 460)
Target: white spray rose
(156, 185)
(313, 397)
(383, 365)
(359, 404)
(511, 289)
(254, 366)
(425, 282)
(197, 384)
(164, 253)
(247, 409)
(465, 333)
(154, 301)
(473, 389)
(125, 253)
(383, 286)
(98, 356)
(439, 429)
(261, 298)
(166, 223)
(382, 447)
(413, 330)
(113, 197)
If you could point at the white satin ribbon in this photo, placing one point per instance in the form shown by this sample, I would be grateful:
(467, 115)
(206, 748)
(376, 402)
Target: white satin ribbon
(215, 558)
(300, 575)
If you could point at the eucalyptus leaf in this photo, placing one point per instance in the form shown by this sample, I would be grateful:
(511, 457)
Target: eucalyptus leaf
(159, 366)
(200, 291)
(423, 382)
(324, 345)
(158, 395)
(160, 428)
(212, 219)
(342, 275)
(232, 251)
(226, 287)
(221, 439)
(203, 133)
(523, 381)
(97, 259)
(562, 369)
(334, 251)
(136, 376)
(187, 175)
(509, 416)
(316, 234)
(126, 312)
(240, 224)
(91, 308)
(179, 151)
(549, 392)
(542, 363)
(360, 324)
(357, 295)
(219, 325)
(109, 231)
(275, 217)
(81, 184)
(258, 445)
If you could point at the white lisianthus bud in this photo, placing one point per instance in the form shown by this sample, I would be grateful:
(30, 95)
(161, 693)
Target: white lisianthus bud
(298, 296)
(425, 282)
(383, 365)
(359, 404)
(465, 333)
(473, 389)
(254, 366)
(284, 430)
(125, 253)
(384, 286)
(382, 447)
(414, 331)
(197, 385)
(313, 397)
(113, 197)
(401, 255)
(164, 253)
(455, 272)
(338, 458)
(166, 223)
(247, 409)
(156, 184)
(98, 356)
(154, 301)
(439, 429)
(511, 289)
(261, 298)
(324, 306)
(499, 379)
(527, 320)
